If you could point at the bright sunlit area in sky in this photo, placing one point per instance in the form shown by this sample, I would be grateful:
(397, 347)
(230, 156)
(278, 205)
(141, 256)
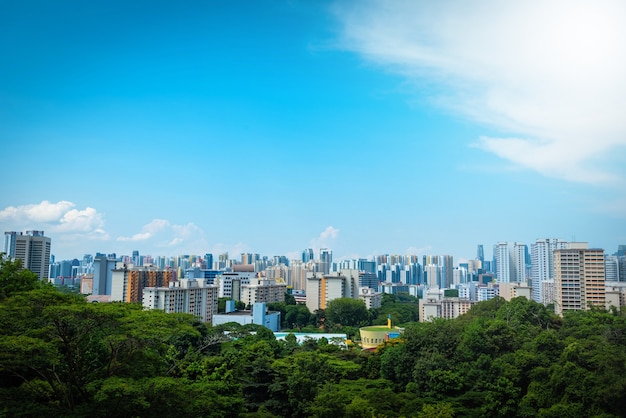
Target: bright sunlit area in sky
(370, 127)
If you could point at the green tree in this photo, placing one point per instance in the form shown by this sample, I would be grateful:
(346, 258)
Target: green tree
(347, 312)
(14, 278)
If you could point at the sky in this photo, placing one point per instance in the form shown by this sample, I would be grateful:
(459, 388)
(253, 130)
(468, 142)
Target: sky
(366, 127)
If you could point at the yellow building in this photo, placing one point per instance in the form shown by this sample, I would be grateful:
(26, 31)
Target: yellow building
(372, 337)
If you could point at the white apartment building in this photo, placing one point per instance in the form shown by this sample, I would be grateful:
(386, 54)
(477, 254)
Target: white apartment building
(510, 262)
(542, 265)
(190, 296)
(372, 298)
(263, 290)
(230, 283)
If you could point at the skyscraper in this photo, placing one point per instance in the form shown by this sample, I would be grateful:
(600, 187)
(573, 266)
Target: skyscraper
(510, 260)
(103, 267)
(480, 253)
(579, 278)
(307, 255)
(326, 260)
(33, 248)
(542, 265)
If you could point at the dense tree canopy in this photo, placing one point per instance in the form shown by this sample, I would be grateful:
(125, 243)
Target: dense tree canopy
(61, 356)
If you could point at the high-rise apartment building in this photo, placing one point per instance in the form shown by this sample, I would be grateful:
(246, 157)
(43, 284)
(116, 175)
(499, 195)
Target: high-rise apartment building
(322, 288)
(542, 265)
(510, 258)
(127, 284)
(263, 290)
(579, 279)
(32, 248)
(190, 296)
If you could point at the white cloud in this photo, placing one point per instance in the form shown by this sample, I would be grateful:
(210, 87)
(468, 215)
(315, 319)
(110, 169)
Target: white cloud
(79, 221)
(58, 218)
(148, 230)
(39, 212)
(162, 233)
(325, 238)
(550, 73)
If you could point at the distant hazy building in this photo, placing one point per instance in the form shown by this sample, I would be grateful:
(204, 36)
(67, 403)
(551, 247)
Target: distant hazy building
(439, 270)
(32, 248)
(614, 266)
(542, 264)
(326, 260)
(103, 267)
(308, 255)
(579, 279)
(191, 296)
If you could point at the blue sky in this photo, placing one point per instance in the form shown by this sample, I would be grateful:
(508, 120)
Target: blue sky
(273, 126)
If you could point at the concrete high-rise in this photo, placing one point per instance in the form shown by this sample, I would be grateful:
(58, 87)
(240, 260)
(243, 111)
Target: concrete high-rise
(510, 260)
(103, 267)
(579, 278)
(542, 265)
(32, 248)
(326, 260)
(190, 296)
(127, 284)
(308, 255)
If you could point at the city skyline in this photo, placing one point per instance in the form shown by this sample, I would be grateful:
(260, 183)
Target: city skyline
(369, 128)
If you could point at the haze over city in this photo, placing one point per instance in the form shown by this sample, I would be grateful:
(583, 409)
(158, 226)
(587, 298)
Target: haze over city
(269, 127)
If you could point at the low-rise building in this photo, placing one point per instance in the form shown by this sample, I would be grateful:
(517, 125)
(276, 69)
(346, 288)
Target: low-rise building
(258, 315)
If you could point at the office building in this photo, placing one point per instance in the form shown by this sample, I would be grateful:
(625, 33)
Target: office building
(103, 267)
(326, 260)
(32, 248)
(308, 255)
(579, 279)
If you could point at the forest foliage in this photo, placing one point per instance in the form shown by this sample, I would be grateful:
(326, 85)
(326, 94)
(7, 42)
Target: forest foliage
(61, 356)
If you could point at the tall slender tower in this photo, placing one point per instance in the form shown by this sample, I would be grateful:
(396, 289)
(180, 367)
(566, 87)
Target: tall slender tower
(480, 254)
(326, 260)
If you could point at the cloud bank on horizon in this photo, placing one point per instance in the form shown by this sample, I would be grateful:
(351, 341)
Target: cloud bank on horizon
(549, 75)
(72, 228)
